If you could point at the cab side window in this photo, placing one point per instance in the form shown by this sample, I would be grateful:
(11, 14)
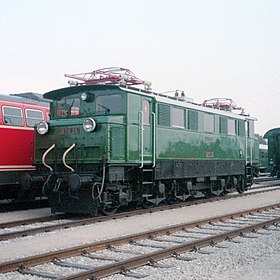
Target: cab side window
(146, 111)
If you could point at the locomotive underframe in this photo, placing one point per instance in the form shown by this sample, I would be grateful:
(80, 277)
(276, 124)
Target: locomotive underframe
(20, 185)
(110, 186)
(10, 184)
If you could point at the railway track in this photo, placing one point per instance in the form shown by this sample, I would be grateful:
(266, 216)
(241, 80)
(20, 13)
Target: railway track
(265, 179)
(33, 221)
(87, 221)
(16, 205)
(162, 243)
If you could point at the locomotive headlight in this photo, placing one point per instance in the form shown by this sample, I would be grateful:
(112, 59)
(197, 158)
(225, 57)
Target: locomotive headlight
(89, 125)
(42, 128)
(84, 96)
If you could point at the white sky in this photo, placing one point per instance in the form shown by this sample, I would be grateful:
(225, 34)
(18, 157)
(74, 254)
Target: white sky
(214, 48)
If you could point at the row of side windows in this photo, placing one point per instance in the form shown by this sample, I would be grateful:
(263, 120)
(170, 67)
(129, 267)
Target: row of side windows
(189, 119)
(232, 126)
(14, 116)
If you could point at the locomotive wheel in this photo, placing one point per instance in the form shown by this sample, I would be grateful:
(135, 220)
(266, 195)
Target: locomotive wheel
(25, 195)
(241, 186)
(147, 204)
(240, 190)
(216, 190)
(172, 200)
(110, 209)
(208, 193)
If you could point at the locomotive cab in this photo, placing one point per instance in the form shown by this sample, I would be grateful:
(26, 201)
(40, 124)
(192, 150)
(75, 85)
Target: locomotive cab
(85, 135)
(96, 133)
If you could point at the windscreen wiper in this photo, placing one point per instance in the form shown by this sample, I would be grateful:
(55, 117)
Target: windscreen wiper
(107, 109)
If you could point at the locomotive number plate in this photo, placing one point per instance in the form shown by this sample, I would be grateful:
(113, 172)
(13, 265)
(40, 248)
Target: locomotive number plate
(68, 130)
(209, 154)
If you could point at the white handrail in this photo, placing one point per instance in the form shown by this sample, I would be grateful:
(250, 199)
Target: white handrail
(64, 156)
(154, 139)
(141, 139)
(44, 157)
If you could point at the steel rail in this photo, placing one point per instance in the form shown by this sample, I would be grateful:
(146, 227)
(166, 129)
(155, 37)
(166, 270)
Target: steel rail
(77, 250)
(88, 221)
(265, 179)
(107, 270)
(264, 186)
(17, 205)
(32, 221)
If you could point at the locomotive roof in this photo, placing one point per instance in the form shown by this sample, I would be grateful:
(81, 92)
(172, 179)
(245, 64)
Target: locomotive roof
(272, 132)
(188, 104)
(63, 92)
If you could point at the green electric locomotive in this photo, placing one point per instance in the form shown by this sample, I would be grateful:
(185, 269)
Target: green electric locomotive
(110, 144)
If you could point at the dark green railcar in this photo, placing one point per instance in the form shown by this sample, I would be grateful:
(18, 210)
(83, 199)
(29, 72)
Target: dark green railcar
(107, 146)
(273, 154)
(263, 153)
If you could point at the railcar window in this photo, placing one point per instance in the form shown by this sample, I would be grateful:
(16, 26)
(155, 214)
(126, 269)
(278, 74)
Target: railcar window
(12, 116)
(109, 103)
(68, 107)
(209, 123)
(231, 127)
(33, 117)
(146, 111)
(163, 115)
(193, 120)
(178, 119)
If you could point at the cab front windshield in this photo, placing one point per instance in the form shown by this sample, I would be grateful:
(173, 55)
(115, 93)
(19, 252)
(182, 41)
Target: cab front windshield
(95, 104)
(67, 107)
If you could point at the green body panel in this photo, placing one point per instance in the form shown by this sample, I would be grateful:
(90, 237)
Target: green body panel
(107, 140)
(127, 138)
(180, 144)
(88, 147)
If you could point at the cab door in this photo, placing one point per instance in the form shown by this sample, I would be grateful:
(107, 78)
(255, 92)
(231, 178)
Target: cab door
(147, 123)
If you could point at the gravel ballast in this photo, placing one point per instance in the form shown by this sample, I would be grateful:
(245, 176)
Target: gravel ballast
(253, 259)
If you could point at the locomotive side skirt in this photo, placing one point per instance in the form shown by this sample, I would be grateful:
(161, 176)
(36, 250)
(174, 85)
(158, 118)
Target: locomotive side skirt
(198, 168)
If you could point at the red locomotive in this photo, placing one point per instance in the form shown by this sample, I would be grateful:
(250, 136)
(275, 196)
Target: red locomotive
(18, 115)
